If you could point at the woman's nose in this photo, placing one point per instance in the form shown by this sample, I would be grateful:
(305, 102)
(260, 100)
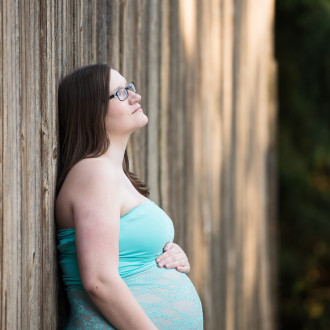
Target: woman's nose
(134, 97)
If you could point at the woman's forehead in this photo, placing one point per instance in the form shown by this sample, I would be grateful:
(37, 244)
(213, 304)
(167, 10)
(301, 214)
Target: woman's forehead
(116, 80)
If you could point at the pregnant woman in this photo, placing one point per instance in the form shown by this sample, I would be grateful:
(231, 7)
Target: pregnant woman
(111, 236)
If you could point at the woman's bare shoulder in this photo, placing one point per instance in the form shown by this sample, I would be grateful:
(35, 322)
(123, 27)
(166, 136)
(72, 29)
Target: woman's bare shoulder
(91, 170)
(90, 182)
(88, 176)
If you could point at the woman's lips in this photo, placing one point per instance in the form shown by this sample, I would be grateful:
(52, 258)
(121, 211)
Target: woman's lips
(139, 108)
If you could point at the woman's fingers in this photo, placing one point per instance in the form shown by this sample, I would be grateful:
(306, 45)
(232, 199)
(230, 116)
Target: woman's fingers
(166, 258)
(173, 263)
(180, 265)
(170, 250)
(183, 269)
(168, 246)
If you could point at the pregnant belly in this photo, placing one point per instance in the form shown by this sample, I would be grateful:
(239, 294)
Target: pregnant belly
(168, 297)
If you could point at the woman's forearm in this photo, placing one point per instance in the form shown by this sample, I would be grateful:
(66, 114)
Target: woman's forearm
(117, 303)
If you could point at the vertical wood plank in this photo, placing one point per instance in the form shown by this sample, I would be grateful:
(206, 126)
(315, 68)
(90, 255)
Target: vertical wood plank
(153, 99)
(136, 148)
(1, 162)
(48, 164)
(164, 97)
(11, 311)
(31, 165)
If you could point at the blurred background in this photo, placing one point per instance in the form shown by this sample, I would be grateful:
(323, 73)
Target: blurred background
(302, 43)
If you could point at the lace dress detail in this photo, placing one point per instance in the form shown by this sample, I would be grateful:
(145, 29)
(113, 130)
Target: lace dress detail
(167, 296)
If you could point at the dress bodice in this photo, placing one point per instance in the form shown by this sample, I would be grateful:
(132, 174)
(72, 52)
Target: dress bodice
(143, 233)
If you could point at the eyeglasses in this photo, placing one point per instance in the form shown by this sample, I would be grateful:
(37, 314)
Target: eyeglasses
(122, 93)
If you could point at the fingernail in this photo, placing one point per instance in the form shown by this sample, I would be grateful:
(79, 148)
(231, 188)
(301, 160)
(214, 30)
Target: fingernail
(161, 264)
(157, 259)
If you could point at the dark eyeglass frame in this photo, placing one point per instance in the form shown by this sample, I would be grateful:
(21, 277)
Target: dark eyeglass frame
(130, 86)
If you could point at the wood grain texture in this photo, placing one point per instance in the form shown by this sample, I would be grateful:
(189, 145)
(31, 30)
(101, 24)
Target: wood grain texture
(207, 76)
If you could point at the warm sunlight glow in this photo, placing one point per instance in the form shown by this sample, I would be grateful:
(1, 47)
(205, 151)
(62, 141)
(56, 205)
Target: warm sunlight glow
(187, 10)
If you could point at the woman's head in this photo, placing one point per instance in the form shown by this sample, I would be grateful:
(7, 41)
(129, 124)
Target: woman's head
(123, 117)
(88, 118)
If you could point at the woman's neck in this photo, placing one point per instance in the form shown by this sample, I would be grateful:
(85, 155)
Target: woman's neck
(116, 151)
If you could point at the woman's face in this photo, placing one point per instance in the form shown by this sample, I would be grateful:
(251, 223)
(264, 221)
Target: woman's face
(124, 117)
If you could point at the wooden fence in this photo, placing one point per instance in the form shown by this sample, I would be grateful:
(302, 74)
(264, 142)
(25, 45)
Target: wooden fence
(207, 75)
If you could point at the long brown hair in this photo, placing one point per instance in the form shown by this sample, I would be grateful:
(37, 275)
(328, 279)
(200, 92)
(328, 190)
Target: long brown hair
(82, 109)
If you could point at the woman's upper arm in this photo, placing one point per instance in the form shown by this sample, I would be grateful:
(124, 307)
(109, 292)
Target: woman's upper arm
(96, 211)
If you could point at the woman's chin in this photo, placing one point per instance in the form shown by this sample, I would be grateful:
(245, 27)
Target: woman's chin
(145, 119)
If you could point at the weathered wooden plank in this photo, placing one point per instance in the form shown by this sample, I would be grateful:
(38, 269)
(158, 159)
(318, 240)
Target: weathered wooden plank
(1, 160)
(153, 99)
(114, 34)
(48, 164)
(164, 97)
(11, 170)
(136, 147)
(176, 96)
(29, 109)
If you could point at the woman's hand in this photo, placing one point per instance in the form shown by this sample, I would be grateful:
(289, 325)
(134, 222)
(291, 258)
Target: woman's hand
(173, 257)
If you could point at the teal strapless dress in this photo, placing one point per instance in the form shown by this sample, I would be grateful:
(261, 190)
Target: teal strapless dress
(167, 296)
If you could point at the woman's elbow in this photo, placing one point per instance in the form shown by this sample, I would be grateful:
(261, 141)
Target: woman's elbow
(94, 284)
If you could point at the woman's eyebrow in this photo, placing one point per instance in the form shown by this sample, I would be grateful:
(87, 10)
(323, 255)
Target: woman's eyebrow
(116, 89)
